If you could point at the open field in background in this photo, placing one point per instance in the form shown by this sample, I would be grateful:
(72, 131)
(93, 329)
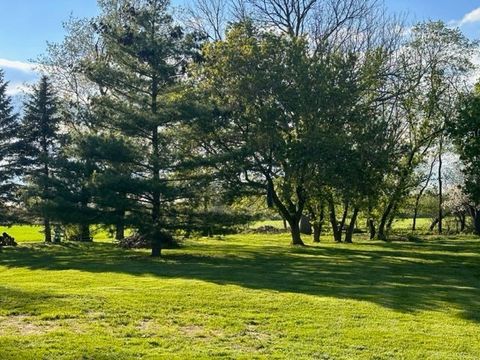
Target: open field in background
(401, 224)
(30, 233)
(243, 297)
(27, 233)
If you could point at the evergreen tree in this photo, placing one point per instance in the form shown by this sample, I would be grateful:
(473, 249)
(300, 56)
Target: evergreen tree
(146, 55)
(8, 138)
(40, 143)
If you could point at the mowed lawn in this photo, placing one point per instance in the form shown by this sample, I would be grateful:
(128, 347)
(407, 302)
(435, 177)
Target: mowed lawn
(242, 297)
(24, 233)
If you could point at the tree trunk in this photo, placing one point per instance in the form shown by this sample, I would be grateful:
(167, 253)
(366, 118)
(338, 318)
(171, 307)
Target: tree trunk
(318, 225)
(476, 222)
(420, 194)
(372, 229)
(317, 231)
(85, 233)
(305, 226)
(295, 232)
(344, 217)
(351, 227)
(292, 213)
(337, 235)
(440, 188)
(48, 230)
(391, 218)
(156, 245)
(119, 231)
(387, 214)
(415, 215)
(120, 226)
(462, 222)
(156, 248)
(382, 235)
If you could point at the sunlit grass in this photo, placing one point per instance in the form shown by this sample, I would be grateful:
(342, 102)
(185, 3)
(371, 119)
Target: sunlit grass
(34, 233)
(244, 296)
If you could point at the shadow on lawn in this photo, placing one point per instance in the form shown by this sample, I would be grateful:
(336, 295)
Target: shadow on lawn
(405, 277)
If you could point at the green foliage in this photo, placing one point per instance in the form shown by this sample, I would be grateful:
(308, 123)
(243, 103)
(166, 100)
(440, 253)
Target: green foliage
(465, 132)
(39, 148)
(9, 167)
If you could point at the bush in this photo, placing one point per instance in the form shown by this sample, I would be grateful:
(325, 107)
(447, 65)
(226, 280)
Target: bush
(140, 241)
(7, 240)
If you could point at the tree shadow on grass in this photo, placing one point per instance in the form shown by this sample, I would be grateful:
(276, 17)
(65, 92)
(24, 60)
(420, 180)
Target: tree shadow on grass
(400, 276)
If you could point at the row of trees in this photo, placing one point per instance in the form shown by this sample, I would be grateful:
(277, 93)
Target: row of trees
(155, 122)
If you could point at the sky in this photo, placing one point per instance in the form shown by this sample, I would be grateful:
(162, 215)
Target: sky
(26, 26)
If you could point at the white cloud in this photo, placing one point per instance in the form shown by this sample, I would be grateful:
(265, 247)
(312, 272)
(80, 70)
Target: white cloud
(470, 18)
(18, 65)
(14, 89)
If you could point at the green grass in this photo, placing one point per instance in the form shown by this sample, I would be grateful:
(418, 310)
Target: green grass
(33, 233)
(423, 224)
(242, 297)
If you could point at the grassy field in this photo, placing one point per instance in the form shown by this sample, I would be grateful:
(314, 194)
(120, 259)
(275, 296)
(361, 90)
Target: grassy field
(23, 233)
(242, 297)
(401, 224)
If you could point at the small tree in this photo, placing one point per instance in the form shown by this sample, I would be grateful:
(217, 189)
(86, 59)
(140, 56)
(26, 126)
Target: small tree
(9, 130)
(465, 132)
(40, 139)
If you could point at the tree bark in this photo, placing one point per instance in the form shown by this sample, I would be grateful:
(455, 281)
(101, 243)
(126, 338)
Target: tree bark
(119, 231)
(337, 235)
(48, 230)
(318, 225)
(476, 222)
(156, 248)
(85, 233)
(120, 225)
(293, 215)
(46, 173)
(462, 223)
(433, 224)
(344, 217)
(317, 232)
(295, 232)
(351, 227)
(382, 235)
(305, 226)
(156, 243)
(387, 214)
(440, 188)
(372, 228)
(419, 196)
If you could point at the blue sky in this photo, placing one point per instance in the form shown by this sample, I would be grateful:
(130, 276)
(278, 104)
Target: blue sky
(26, 25)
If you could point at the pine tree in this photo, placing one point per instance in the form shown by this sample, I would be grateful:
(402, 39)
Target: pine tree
(9, 125)
(40, 144)
(147, 53)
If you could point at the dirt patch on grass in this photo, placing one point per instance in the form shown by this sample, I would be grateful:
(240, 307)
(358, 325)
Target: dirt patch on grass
(23, 325)
(199, 332)
(193, 331)
(148, 327)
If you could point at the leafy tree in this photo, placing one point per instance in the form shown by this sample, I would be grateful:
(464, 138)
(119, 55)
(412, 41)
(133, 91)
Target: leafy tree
(437, 60)
(265, 100)
(465, 132)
